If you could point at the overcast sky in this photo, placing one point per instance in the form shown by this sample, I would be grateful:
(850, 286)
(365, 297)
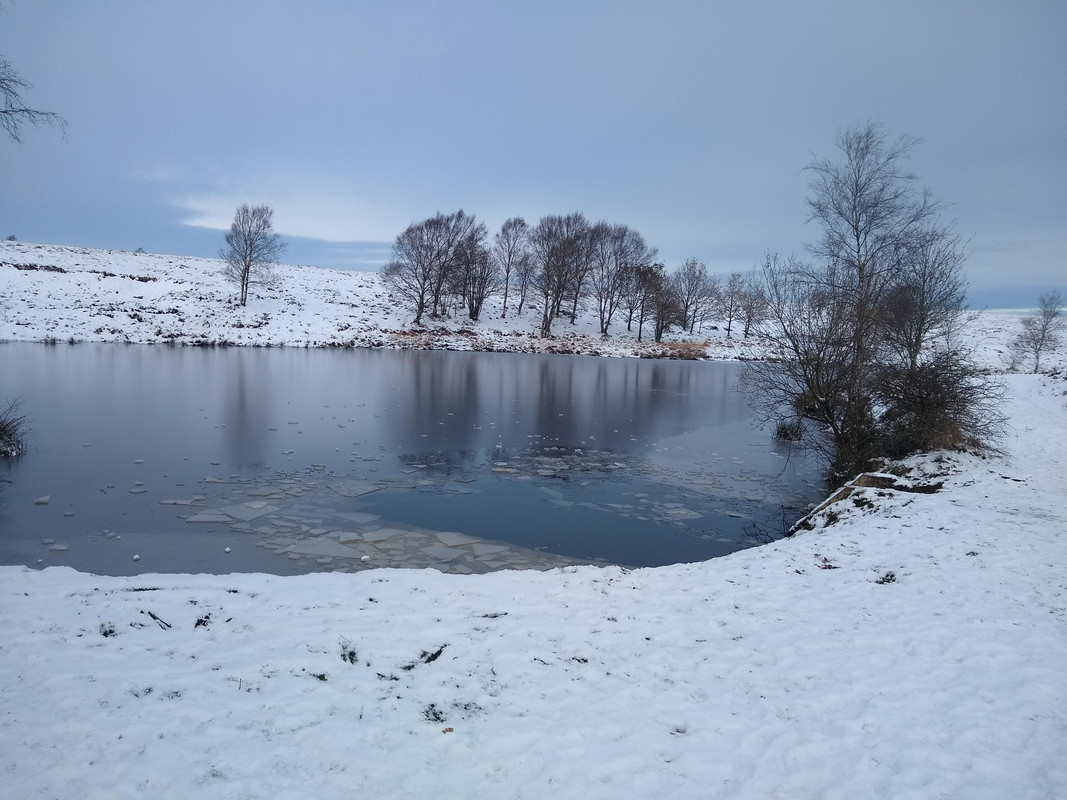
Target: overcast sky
(689, 121)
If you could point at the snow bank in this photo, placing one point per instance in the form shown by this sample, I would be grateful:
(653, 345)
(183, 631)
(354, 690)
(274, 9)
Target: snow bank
(913, 648)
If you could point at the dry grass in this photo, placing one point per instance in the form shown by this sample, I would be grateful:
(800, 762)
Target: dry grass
(12, 431)
(685, 351)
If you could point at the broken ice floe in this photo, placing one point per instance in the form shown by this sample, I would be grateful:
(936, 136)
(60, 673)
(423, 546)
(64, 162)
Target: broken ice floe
(314, 518)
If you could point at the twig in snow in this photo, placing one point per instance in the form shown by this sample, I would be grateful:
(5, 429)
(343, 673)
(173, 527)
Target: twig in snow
(164, 625)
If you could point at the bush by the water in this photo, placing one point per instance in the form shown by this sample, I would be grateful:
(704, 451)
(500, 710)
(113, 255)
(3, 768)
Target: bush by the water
(12, 431)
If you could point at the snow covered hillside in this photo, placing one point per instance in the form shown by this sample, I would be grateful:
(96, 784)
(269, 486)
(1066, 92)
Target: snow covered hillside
(910, 644)
(65, 293)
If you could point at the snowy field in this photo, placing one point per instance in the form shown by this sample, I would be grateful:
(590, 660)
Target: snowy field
(57, 293)
(911, 645)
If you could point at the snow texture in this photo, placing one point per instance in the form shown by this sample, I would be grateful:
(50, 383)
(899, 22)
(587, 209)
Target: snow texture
(911, 644)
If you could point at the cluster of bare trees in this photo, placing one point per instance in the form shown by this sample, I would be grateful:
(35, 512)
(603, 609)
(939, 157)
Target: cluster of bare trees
(738, 298)
(442, 258)
(559, 264)
(872, 365)
(562, 265)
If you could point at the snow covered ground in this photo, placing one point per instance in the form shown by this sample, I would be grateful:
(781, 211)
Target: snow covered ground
(68, 293)
(911, 645)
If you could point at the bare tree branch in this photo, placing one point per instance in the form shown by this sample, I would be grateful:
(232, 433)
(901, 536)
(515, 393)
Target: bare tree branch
(13, 111)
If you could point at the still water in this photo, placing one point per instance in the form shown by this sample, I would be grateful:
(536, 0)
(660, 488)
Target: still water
(291, 460)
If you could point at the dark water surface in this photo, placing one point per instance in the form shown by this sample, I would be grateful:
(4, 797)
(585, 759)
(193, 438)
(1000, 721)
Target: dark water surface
(348, 459)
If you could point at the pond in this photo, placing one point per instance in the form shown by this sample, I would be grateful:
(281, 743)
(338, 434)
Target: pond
(181, 459)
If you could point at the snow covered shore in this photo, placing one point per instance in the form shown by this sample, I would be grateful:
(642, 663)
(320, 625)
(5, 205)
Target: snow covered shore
(54, 293)
(911, 645)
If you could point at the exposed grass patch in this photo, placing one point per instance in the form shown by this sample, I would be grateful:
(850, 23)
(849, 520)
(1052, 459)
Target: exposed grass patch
(789, 430)
(684, 351)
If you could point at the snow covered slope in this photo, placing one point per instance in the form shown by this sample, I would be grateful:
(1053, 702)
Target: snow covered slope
(67, 293)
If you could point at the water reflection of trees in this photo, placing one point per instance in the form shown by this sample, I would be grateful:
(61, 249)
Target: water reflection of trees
(247, 392)
(478, 400)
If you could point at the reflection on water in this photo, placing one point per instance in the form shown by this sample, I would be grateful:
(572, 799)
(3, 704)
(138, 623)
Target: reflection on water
(119, 430)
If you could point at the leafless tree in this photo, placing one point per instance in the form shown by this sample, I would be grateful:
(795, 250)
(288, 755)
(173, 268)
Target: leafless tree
(1041, 332)
(664, 302)
(478, 272)
(729, 300)
(870, 210)
(425, 259)
(524, 279)
(830, 319)
(557, 245)
(14, 113)
(615, 251)
(809, 379)
(451, 232)
(649, 295)
(511, 251)
(926, 294)
(252, 247)
(753, 302)
(581, 264)
(695, 289)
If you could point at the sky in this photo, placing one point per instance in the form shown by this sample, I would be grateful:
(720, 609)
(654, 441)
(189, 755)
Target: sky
(691, 122)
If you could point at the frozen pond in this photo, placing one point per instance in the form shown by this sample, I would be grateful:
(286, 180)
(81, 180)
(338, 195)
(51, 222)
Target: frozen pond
(290, 460)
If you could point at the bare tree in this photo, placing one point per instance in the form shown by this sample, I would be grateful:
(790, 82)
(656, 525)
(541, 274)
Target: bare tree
(926, 294)
(425, 260)
(524, 279)
(478, 272)
(753, 302)
(408, 273)
(632, 295)
(664, 302)
(615, 251)
(450, 232)
(1041, 332)
(649, 295)
(870, 211)
(729, 300)
(581, 265)
(695, 291)
(557, 245)
(14, 113)
(830, 319)
(511, 251)
(252, 247)
(809, 379)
